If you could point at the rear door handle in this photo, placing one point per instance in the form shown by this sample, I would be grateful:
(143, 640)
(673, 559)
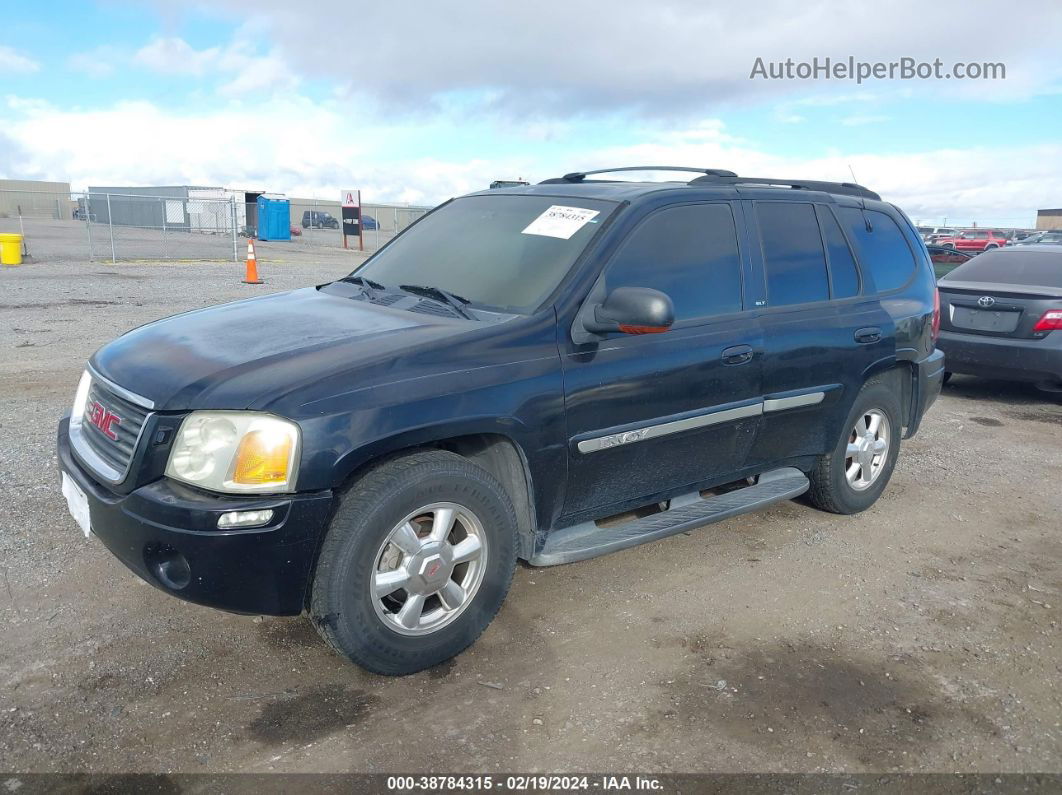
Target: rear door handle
(865, 336)
(739, 354)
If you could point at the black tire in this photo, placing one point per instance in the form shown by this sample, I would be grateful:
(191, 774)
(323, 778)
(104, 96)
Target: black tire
(830, 489)
(341, 605)
(947, 377)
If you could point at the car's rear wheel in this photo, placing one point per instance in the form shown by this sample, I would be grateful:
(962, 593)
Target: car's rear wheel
(852, 477)
(416, 564)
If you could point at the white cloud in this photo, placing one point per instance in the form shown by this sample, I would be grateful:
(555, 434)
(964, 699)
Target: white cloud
(170, 55)
(302, 148)
(98, 62)
(237, 67)
(13, 62)
(669, 56)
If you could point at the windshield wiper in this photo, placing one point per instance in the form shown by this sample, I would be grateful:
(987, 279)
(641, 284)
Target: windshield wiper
(369, 284)
(442, 296)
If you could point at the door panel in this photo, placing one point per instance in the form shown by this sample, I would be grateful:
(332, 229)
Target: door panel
(823, 346)
(637, 387)
(648, 414)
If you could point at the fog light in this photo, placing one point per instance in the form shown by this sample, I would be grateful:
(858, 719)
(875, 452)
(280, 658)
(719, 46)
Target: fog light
(168, 565)
(244, 519)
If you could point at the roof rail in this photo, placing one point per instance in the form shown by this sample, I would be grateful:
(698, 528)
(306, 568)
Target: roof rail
(579, 176)
(843, 188)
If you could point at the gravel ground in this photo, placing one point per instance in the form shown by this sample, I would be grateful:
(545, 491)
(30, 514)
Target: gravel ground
(922, 635)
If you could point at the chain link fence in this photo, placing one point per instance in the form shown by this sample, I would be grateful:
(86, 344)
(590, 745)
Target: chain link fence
(112, 226)
(318, 222)
(115, 226)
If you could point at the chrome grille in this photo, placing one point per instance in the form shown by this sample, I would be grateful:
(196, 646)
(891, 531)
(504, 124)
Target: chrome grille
(117, 453)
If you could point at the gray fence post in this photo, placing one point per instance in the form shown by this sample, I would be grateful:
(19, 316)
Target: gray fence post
(58, 210)
(163, 228)
(235, 252)
(110, 223)
(88, 226)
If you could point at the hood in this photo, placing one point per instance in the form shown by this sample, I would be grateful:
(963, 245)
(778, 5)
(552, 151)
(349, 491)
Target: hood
(235, 355)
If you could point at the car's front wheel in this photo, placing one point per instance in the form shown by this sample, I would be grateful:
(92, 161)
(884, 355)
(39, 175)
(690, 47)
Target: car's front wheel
(416, 564)
(851, 477)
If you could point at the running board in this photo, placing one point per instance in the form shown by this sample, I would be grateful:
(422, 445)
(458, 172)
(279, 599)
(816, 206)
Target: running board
(588, 540)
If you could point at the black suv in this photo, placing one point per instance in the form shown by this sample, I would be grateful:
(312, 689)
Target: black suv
(318, 219)
(512, 370)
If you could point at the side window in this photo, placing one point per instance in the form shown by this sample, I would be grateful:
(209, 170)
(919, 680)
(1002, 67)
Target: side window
(843, 271)
(792, 253)
(688, 252)
(882, 249)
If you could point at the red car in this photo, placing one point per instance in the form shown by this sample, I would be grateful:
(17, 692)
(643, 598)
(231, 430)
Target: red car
(975, 240)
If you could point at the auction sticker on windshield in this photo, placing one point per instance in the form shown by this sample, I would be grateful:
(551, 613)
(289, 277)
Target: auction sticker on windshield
(559, 221)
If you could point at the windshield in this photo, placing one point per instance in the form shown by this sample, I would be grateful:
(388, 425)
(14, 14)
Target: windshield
(501, 251)
(1029, 267)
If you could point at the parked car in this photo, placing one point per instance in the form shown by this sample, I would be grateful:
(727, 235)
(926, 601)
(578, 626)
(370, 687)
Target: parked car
(318, 219)
(945, 259)
(931, 234)
(515, 368)
(1041, 237)
(1002, 316)
(975, 240)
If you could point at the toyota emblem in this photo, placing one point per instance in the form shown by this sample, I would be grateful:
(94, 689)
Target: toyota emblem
(986, 301)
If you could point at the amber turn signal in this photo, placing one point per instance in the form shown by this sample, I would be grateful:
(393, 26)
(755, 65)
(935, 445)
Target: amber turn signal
(262, 458)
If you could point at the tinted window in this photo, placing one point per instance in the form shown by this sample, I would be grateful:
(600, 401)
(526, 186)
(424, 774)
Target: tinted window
(882, 249)
(1026, 266)
(477, 247)
(688, 252)
(843, 271)
(792, 253)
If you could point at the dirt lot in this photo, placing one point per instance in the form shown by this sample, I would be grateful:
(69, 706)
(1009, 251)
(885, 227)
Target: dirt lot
(922, 635)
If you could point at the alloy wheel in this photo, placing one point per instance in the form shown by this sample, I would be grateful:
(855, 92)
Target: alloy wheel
(429, 568)
(868, 449)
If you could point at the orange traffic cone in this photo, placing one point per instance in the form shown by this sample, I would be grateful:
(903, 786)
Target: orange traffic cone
(251, 276)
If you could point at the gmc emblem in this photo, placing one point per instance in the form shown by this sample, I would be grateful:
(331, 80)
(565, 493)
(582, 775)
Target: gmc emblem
(104, 419)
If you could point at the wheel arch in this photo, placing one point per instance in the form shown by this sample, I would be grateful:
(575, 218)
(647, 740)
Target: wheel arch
(903, 375)
(497, 452)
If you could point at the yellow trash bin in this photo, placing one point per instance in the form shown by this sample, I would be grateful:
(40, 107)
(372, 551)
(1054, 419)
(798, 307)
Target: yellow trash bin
(10, 249)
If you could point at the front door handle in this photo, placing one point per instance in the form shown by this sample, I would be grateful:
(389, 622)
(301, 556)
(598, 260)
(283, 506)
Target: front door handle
(739, 354)
(865, 336)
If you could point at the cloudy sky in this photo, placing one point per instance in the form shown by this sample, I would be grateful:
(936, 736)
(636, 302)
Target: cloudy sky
(418, 101)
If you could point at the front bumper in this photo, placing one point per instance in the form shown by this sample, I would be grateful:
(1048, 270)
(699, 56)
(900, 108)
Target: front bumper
(1006, 358)
(167, 534)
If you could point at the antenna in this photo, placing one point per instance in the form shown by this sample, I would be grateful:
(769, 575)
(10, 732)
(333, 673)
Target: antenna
(852, 172)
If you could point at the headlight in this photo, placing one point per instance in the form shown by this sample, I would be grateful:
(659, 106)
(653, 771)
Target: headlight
(236, 451)
(77, 411)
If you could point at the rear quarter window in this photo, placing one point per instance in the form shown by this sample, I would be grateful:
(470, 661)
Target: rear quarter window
(883, 250)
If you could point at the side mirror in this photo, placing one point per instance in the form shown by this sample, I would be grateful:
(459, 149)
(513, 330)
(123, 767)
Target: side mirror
(632, 310)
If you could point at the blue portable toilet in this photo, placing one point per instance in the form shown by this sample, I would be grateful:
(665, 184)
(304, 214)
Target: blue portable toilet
(274, 219)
